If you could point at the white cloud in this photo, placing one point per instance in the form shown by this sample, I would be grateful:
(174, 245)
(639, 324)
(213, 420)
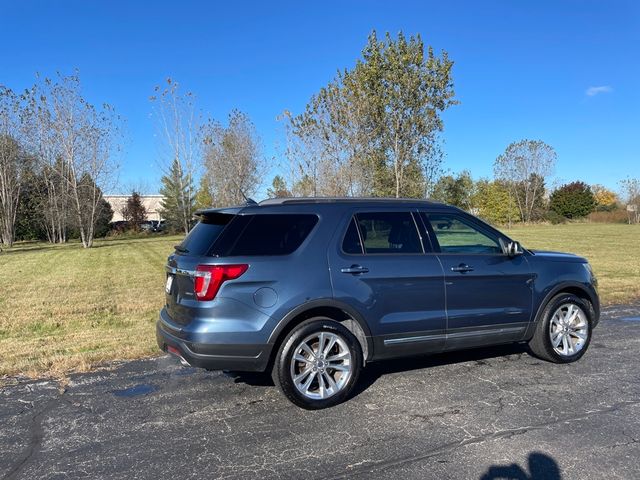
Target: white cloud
(593, 91)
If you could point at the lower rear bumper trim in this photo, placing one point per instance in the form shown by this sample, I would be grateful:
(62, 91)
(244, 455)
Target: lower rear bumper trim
(247, 358)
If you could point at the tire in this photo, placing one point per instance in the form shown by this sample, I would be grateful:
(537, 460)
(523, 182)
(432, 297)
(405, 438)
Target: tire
(300, 378)
(566, 316)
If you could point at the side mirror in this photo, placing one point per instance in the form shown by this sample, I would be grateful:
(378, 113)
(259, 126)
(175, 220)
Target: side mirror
(514, 248)
(511, 249)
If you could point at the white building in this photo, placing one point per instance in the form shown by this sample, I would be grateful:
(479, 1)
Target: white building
(151, 204)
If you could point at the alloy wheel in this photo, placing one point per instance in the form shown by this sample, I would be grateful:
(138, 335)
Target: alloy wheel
(568, 330)
(321, 365)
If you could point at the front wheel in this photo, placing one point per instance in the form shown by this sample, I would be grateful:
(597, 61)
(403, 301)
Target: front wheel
(564, 329)
(318, 364)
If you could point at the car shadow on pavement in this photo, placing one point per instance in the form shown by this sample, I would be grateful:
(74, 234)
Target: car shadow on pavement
(541, 467)
(254, 379)
(376, 370)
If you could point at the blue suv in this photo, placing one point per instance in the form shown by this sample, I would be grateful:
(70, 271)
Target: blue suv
(311, 289)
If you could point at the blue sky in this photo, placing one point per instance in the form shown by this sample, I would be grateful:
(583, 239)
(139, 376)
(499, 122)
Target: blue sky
(566, 72)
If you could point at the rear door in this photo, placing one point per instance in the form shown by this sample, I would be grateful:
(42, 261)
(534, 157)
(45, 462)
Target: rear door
(489, 294)
(378, 267)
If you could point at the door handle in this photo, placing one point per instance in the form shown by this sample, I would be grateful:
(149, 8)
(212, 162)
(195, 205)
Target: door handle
(462, 268)
(354, 269)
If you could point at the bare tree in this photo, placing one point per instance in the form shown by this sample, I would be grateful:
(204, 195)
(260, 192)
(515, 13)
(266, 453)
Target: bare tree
(302, 174)
(524, 167)
(631, 194)
(233, 160)
(43, 143)
(179, 130)
(75, 144)
(11, 162)
(329, 146)
(96, 171)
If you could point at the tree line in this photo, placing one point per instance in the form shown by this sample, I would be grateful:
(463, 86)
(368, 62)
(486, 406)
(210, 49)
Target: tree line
(521, 195)
(373, 130)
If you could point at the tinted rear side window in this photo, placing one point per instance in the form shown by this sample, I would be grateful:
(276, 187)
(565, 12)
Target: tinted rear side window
(203, 234)
(270, 235)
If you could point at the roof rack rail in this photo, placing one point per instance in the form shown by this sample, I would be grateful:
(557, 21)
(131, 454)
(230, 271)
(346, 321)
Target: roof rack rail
(300, 200)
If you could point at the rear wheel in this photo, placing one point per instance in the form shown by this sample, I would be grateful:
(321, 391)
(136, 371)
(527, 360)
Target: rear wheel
(564, 329)
(318, 364)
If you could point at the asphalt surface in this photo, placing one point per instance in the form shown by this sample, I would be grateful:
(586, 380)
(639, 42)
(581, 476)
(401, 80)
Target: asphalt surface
(485, 414)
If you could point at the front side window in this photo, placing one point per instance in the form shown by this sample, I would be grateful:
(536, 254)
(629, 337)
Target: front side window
(456, 235)
(382, 232)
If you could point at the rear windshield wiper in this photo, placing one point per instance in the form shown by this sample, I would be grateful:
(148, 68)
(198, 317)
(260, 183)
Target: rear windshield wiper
(181, 249)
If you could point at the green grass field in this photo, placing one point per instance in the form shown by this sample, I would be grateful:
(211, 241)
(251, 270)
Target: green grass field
(612, 249)
(63, 308)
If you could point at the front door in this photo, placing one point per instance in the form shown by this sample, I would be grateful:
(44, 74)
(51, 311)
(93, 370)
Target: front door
(489, 294)
(379, 267)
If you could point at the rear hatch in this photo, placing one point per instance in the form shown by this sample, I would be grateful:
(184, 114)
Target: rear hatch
(221, 248)
(183, 263)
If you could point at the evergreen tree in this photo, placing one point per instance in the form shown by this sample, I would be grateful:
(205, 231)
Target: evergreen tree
(134, 212)
(178, 204)
(103, 219)
(203, 199)
(573, 200)
(278, 188)
(30, 218)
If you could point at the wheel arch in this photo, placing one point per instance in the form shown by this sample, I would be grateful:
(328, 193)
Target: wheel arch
(575, 288)
(334, 309)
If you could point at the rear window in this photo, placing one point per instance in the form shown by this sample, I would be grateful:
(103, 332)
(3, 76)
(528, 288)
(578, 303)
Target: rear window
(201, 237)
(267, 234)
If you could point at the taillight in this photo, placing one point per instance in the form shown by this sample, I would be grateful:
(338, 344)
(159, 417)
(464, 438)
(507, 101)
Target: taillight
(209, 278)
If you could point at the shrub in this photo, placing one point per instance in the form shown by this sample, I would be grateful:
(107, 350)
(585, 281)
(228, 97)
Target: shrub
(606, 200)
(618, 215)
(573, 200)
(555, 218)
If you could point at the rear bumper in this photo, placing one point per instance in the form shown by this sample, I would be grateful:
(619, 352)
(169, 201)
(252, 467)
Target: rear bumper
(222, 356)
